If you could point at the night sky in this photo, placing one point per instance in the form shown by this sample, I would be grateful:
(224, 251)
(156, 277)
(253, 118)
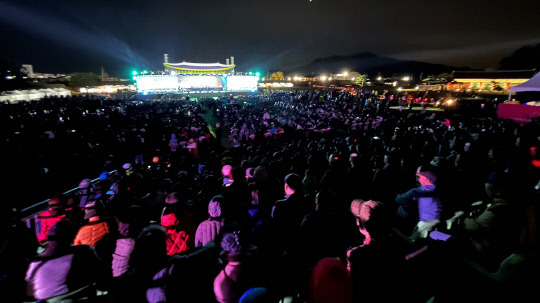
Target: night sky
(85, 35)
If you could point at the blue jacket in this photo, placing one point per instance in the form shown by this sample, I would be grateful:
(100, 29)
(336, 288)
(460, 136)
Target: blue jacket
(422, 198)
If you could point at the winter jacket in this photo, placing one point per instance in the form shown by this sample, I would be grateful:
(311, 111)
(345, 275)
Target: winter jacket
(92, 232)
(207, 232)
(60, 274)
(122, 253)
(177, 240)
(46, 221)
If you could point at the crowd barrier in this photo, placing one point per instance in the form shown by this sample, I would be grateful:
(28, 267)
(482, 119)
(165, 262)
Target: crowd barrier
(30, 214)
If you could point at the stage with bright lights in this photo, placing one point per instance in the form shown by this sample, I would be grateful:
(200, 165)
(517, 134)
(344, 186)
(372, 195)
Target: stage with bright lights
(195, 84)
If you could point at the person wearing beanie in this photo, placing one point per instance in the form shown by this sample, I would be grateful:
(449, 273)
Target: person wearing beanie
(50, 217)
(209, 229)
(227, 284)
(179, 224)
(96, 228)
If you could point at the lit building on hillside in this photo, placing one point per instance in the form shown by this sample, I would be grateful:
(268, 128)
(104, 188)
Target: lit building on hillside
(488, 81)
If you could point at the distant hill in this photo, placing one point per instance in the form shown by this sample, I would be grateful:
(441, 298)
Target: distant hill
(527, 57)
(372, 64)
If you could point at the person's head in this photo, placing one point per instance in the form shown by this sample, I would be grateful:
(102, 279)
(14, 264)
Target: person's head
(330, 281)
(238, 174)
(130, 222)
(231, 245)
(214, 207)
(260, 174)
(226, 170)
(293, 183)
(91, 210)
(85, 186)
(55, 205)
(150, 246)
(426, 174)
(370, 217)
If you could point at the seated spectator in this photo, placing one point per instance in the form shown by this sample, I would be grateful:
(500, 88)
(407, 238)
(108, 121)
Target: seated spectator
(129, 226)
(325, 232)
(494, 233)
(145, 280)
(208, 230)
(179, 225)
(50, 217)
(421, 206)
(96, 228)
(62, 268)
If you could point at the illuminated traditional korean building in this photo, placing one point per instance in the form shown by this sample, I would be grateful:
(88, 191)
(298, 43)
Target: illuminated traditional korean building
(188, 68)
(488, 81)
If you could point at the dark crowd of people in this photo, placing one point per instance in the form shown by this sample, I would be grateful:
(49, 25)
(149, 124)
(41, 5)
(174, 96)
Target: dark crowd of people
(296, 196)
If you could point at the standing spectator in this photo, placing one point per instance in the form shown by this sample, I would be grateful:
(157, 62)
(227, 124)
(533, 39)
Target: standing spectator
(208, 230)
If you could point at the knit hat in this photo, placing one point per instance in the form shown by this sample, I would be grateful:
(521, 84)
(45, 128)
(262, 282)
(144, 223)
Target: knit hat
(214, 207)
(85, 183)
(226, 170)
